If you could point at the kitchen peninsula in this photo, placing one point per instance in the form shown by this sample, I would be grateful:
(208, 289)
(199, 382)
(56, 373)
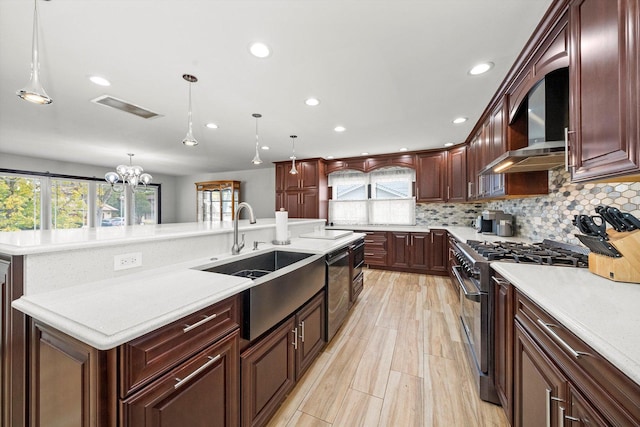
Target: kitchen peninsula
(90, 323)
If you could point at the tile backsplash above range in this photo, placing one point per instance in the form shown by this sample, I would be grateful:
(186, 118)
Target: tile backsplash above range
(541, 217)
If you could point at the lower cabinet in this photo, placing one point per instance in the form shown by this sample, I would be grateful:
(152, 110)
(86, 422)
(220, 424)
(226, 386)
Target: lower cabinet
(559, 380)
(203, 391)
(419, 252)
(271, 367)
(503, 342)
(375, 248)
(186, 373)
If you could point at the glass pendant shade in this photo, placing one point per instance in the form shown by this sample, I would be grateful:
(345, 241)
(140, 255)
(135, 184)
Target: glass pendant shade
(33, 91)
(256, 159)
(132, 175)
(293, 170)
(189, 140)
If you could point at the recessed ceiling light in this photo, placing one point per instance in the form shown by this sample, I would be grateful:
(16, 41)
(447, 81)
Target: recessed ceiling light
(481, 68)
(100, 81)
(329, 157)
(448, 144)
(212, 126)
(339, 128)
(259, 50)
(403, 149)
(459, 120)
(364, 154)
(312, 102)
(265, 147)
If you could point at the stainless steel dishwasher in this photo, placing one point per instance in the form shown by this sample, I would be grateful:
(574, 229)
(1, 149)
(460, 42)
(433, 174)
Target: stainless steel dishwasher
(338, 283)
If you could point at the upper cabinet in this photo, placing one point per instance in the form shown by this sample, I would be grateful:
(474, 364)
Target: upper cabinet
(457, 174)
(605, 84)
(304, 194)
(431, 176)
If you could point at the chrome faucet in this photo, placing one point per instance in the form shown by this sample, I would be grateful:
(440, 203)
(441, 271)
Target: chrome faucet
(236, 248)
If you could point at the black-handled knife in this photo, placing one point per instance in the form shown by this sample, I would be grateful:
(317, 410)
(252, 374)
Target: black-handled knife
(612, 219)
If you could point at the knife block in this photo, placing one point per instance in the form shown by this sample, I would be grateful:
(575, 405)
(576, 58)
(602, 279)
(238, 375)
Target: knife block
(625, 268)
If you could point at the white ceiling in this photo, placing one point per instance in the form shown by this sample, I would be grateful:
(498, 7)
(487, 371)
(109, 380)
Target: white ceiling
(393, 72)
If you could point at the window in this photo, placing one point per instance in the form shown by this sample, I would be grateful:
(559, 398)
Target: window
(69, 204)
(384, 196)
(33, 201)
(19, 203)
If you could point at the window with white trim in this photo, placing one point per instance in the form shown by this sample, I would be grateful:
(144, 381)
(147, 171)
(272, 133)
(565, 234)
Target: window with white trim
(383, 196)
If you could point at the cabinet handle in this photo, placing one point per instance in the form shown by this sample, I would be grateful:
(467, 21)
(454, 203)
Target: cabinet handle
(547, 327)
(567, 166)
(295, 338)
(500, 281)
(548, 402)
(469, 187)
(302, 330)
(448, 192)
(210, 362)
(201, 322)
(368, 254)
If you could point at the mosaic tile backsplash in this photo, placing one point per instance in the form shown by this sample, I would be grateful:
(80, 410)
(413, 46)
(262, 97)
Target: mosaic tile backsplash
(542, 217)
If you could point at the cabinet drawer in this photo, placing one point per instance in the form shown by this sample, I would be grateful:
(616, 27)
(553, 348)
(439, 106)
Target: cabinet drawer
(375, 237)
(375, 257)
(148, 356)
(612, 392)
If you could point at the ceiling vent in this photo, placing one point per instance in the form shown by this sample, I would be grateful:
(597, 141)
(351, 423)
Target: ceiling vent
(127, 107)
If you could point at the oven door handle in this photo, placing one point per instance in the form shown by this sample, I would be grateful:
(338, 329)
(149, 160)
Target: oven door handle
(473, 296)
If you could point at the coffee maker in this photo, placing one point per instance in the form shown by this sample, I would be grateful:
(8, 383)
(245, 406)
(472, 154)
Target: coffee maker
(501, 223)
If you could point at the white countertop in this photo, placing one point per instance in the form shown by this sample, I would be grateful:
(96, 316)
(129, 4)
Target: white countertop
(110, 312)
(461, 233)
(41, 241)
(603, 313)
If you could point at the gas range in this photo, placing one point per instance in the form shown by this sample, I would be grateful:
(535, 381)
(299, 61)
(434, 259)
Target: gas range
(548, 252)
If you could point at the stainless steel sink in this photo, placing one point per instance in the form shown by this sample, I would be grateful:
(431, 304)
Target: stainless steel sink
(282, 282)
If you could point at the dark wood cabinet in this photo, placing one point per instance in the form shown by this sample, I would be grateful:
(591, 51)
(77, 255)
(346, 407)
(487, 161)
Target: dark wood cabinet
(605, 84)
(438, 251)
(268, 374)
(503, 343)
(375, 248)
(585, 388)
(539, 387)
(66, 382)
(271, 367)
(420, 252)
(305, 194)
(431, 176)
(203, 391)
(457, 174)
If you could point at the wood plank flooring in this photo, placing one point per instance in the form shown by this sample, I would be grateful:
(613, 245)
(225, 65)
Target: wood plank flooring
(398, 360)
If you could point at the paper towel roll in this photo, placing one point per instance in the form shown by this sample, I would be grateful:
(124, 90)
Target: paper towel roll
(282, 230)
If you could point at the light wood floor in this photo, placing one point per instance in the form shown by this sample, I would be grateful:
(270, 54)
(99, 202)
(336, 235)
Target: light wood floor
(397, 361)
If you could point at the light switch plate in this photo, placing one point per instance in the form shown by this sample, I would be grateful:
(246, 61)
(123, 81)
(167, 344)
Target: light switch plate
(125, 261)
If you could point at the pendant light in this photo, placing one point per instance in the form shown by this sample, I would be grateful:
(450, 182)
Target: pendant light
(189, 140)
(131, 175)
(293, 170)
(256, 159)
(33, 91)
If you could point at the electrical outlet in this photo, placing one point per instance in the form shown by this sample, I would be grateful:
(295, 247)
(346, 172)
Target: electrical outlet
(125, 261)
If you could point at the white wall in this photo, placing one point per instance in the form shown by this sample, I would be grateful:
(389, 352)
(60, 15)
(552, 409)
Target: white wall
(33, 164)
(258, 188)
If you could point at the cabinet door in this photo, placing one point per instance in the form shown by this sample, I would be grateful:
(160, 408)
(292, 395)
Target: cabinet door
(309, 204)
(309, 174)
(268, 374)
(281, 174)
(438, 255)
(580, 412)
(203, 391)
(503, 339)
(420, 250)
(457, 175)
(430, 177)
(539, 387)
(604, 79)
(280, 200)
(293, 205)
(310, 322)
(400, 249)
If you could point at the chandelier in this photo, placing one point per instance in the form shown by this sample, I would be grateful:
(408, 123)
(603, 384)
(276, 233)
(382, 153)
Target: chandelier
(131, 175)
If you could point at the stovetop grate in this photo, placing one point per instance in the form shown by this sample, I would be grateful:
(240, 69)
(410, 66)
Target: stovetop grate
(546, 253)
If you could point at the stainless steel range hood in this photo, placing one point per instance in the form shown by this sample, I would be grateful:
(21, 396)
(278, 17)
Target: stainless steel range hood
(536, 157)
